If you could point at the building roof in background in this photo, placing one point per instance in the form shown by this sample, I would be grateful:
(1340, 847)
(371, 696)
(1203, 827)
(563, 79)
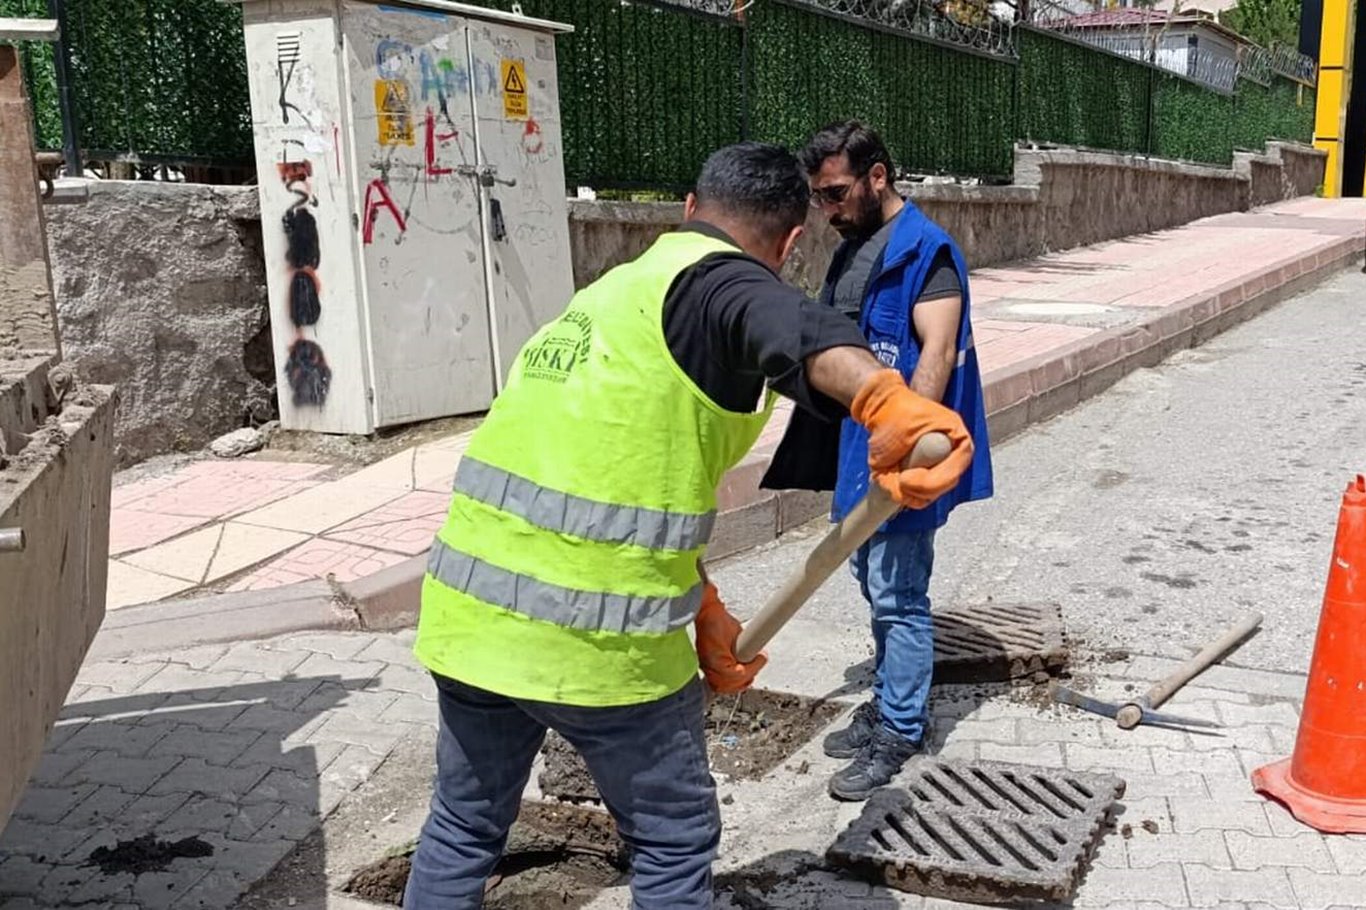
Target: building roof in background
(1140, 18)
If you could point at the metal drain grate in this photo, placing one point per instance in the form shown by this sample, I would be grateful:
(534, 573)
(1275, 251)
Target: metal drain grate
(992, 642)
(980, 831)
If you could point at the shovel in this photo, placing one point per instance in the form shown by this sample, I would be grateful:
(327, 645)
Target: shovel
(838, 544)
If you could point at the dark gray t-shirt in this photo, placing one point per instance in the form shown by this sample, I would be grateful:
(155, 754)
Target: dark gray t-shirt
(859, 260)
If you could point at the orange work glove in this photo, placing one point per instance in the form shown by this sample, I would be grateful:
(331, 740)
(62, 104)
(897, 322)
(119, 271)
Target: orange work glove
(896, 418)
(717, 631)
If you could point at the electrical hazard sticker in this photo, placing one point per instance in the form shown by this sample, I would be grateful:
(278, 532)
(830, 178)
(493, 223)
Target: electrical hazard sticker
(515, 105)
(394, 113)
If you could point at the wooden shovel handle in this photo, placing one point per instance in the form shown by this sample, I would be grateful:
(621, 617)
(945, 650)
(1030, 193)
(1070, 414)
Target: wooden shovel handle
(838, 544)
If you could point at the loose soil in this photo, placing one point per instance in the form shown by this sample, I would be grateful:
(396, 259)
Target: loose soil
(750, 735)
(557, 856)
(147, 854)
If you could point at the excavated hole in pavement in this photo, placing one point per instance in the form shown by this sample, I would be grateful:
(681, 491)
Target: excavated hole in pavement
(747, 736)
(557, 856)
(562, 855)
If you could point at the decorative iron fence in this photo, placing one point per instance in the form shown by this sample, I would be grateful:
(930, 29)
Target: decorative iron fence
(649, 87)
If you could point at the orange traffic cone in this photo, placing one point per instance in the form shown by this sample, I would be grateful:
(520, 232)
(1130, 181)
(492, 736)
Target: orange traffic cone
(1324, 782)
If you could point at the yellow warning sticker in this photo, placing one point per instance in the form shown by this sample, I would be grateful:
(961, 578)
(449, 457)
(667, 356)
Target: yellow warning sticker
(514, 90)
(394, 115)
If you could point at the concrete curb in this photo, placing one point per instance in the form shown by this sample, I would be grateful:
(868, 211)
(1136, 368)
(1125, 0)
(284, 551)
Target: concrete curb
(1021, 394)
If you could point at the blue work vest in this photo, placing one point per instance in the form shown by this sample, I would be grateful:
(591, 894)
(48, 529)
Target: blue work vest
(885, 320)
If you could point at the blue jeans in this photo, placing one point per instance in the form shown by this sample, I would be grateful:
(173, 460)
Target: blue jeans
(893, 571)
(649, 762)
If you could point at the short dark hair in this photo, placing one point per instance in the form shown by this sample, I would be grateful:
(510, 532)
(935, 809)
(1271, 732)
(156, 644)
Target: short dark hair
(758, 183)
(859, 141)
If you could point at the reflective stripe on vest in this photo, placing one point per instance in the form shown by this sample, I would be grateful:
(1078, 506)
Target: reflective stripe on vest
(591, 611)
(589, 519)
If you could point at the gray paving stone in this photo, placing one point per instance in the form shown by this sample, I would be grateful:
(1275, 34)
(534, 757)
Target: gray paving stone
(61, 733)
(236, 866)
(342, 727)
(303, 759)
(1204, 847)
(1000, 730)
(61, 880)
(1317, 891)
(1092, 758)
(260, 662)
(21, 875)
(179, 708)
(357, 700)
(958, 750)
(147, 811)
(289, 694)
(269, 718)
(1112, 737)
(352, 671)
(215, 747)
(1047, 755)
(120, 677)
(284, 788)
(412, 709)
(1107, 887)
(130, 740)
(1349, 853)
(195, 684)
(55, 767)
(1283, 824)
(350, 769)
(1085, 732)
(1269, 714)
(98, 809)
(104, 888)
(1179, 784)
(390, 649)
(407, 678)
(1255, 737)
(1216, 762)
(1191, 815)
(290, 823)
(47, 805)
(135, 775)
(194, 775)
(1210, 887)
(1306, 851)
(337, 645)
(201, 813)
(165, 890)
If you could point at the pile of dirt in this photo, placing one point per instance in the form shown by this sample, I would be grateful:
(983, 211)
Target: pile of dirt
(751, 734)
(147, 854)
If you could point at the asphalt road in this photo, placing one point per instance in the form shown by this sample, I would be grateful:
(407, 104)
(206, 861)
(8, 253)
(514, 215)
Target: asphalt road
(1167, 508)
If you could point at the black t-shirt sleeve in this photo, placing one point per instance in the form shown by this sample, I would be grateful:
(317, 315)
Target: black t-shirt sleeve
(733, 326)
(942, 280)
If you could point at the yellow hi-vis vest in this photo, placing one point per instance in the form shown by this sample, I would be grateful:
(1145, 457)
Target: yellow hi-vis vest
(566, 571)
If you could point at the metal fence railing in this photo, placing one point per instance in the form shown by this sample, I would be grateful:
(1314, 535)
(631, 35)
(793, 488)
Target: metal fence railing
(649, 87)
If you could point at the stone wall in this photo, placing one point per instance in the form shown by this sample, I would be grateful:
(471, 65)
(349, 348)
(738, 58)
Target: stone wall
(161, 291)
(161, 288)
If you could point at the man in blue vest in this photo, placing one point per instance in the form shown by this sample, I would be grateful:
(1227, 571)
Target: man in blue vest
(905, 281)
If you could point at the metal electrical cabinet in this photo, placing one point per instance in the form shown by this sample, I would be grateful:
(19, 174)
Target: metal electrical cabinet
(412, 203)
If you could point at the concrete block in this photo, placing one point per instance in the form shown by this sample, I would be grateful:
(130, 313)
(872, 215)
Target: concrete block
(1307, 851)
(215, 748)
(1047, 755)
(135, 775)
(337, 645)
(1191, 815)
(1106, 887)
(1088, 758)
(1211, 887)
(48, 805)
(1179, 785)
(194, 775)
(258, 662)
(1349, 853)
(797, 507)
(304, 759)
(1205, 848)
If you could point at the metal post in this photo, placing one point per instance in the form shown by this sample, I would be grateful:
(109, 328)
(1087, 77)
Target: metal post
(11, 540)
(61, 59)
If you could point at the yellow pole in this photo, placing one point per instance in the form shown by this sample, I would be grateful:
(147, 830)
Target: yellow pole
(1335, 67)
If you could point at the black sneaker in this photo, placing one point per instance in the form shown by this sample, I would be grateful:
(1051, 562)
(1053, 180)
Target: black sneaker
(846, 743)
(874, 766)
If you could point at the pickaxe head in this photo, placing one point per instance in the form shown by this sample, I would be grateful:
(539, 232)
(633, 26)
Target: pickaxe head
(1128, 715)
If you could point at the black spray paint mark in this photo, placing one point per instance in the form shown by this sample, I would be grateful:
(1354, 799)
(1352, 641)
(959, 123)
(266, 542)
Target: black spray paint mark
(304, 305)
(308, 373)
(301, 239)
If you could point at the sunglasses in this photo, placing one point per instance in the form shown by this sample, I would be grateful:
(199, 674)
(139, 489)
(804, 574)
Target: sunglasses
(830, 195)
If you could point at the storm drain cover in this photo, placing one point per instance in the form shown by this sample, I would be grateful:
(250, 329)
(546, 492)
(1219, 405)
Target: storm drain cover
(980, 831)
(997, 641)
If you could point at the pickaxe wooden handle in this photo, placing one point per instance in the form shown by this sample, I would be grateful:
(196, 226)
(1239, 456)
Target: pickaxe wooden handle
(837, 545)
